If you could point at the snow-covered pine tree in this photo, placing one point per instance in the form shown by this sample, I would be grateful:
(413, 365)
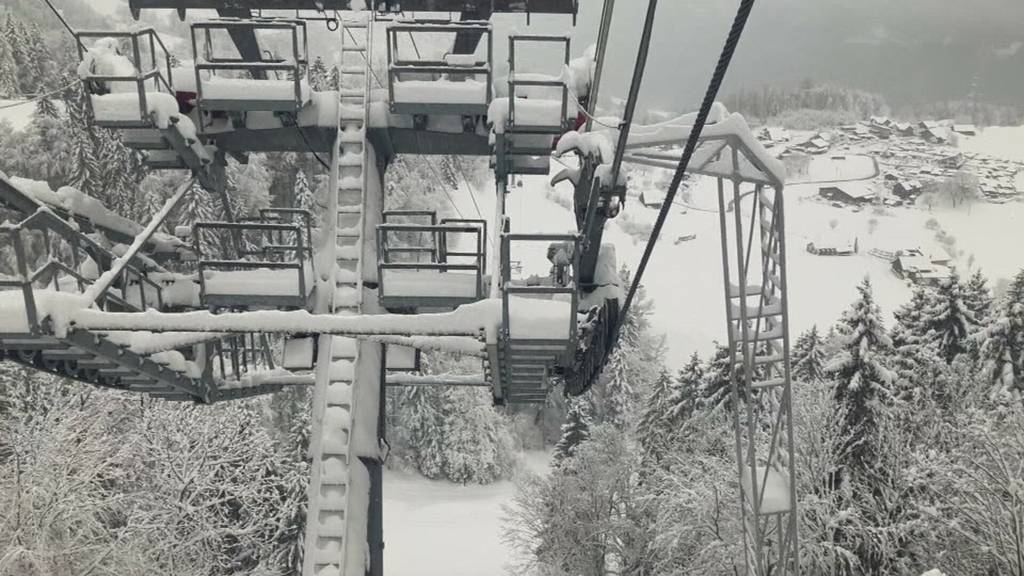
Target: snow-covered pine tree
(1002, 348)
(198, 206)
(8, 70)
(650, 430)
(303, 193)
(576, 429)
(978, 297)
(862, 379)
(716, 385)
(632, 367)
(948, 320)
(912, 352)
(14, 33)
(809, 357)
(318, 75)
(682, 400)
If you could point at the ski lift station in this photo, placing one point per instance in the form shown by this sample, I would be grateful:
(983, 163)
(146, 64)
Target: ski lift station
(346, 302)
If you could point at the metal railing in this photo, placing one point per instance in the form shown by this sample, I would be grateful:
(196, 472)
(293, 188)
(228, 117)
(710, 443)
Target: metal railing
(140, 40)
(429, 247)
(514, 82)
(441, 71)
(564, 282)
(65, 250)
(206, 60)
(256, 246)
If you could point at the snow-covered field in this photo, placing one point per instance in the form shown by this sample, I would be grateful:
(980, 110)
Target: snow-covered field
(436, 528)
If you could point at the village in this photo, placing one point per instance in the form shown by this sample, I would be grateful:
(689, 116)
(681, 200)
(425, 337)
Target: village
(914, 165)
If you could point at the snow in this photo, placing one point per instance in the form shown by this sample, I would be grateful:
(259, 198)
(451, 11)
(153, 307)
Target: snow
(218, 88)
(425, 520)
(1005, 142)
(13, 318)
(531, 318)
(104, 58)
(125, 106)
(441, 92)
(772, 488)
(529, 112)
(434, 283)
(580, 72)
(258, 282)
(18, 117)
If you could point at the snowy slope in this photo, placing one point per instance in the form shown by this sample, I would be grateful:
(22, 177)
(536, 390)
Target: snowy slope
(17, 116)
(436, 528)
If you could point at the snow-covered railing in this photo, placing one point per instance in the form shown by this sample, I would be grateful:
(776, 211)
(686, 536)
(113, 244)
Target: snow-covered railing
(261, 92)
(105, 71)
(69, 267)
(537, 113)
(449, 84)
(271, 264)
(431, 270)
(542, 317)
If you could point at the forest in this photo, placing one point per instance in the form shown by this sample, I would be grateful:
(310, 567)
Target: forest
(910, 453)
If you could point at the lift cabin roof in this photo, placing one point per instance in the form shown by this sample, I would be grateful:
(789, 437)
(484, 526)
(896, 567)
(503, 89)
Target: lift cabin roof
(499, 6)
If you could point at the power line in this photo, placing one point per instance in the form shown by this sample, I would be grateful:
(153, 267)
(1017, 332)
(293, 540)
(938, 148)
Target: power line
(444, 189)
(39, 96)
(691, 143)
(65, 23)
(472, 196)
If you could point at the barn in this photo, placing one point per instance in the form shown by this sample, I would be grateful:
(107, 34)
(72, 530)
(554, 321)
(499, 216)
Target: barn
(852, 193)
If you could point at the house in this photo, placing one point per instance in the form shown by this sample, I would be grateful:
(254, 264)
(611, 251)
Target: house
(833, 243)
(773, 134)
(903, 128)
(936, 135)
(925, 125)
(913, 265)
(817, 144)
(881, 121)
(965, 129)
(653, 197)
(907, 189)
(953, 161)
(852, 193)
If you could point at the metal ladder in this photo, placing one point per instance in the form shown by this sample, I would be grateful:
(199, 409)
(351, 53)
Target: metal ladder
(757, 312)
(335, 540)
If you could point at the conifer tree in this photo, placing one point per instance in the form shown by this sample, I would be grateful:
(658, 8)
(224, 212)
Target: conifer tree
(863, 380)
(978, 297)
(809, 357)
(948, 320)
(716, 385)
(304, 197)
(1002, 349)
(8, 70)
(683, 395)
(650, 428)
(576, 429)
(318, 75)
(14, 33)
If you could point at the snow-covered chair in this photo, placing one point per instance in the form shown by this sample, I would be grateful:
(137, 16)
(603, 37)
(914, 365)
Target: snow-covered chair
(436, 265)
(425, 84)
(128, 78)
(539, 318)
(264, 264)
(250, 82)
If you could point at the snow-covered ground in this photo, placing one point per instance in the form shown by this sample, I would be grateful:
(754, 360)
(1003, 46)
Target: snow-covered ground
(1000, 141)
(426, 521)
